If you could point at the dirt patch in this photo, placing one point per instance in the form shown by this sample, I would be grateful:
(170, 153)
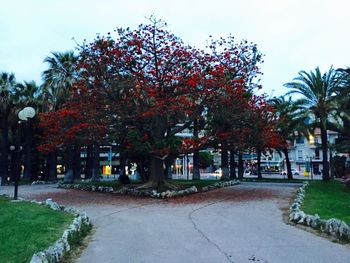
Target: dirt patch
(232, 194)
(80, 197)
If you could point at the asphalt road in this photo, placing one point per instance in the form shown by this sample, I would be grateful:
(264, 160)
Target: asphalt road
(238, 224)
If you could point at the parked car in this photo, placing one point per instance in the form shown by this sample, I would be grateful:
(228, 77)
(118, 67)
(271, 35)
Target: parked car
(250, 172)
(294, 172)
(247, 172)
(218, 172)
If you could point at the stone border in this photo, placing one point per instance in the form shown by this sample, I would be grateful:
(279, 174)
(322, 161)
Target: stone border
(148, 193)
(54, 253)
(38, 182)
(334, 227)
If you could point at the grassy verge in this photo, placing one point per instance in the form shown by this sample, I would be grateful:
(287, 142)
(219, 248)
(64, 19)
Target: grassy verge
(328, 200)
(77, 243)
(182, 184)
(114, 184)
(27, 228)
(273, 180)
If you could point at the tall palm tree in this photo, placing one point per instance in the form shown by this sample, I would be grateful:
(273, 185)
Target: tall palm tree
(7, 91)
(291, 123)
(343, 101)
(28, 94)
(60, 76)
(318, 96)
(58, 79)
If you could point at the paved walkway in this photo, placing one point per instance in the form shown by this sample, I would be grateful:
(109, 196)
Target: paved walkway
(238, 224)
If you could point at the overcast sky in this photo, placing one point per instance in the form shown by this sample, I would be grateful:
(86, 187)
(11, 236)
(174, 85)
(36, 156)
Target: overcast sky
(294, 35)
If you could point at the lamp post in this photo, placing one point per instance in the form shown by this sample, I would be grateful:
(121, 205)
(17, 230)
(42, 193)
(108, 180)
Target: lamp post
(25, 114)
(311, 173)
(310, 157)
(16, 149)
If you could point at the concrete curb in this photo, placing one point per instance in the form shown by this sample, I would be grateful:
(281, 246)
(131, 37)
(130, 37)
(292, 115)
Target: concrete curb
(333, 226)
(148, 193)
(54, 253)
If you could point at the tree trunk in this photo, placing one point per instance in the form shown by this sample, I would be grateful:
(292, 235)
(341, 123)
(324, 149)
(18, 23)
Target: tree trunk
(141, 169)
(224, 163)
(240, 166)
(157, 178)
(88, 162)
(13, 165)
(36, 164)
(96, 171)
(325, 171)
(232, 165)
(259, 163)
(27, 153)
(4, 152)
(77, 162)
(69, 175)
(331, 165)
(123, 178)
(168, 163)
(51, 166)
(196, 173)
(289, 166)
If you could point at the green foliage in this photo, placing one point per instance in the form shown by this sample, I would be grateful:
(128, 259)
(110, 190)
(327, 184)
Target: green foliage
(328, 200)
(205, 159)
(27, 228)
(183, 184)
(76, 239)
(338, 165)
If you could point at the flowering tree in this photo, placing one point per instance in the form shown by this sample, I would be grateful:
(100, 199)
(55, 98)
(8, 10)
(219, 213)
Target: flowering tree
(148, 86)
(161, 95)
(76, 123)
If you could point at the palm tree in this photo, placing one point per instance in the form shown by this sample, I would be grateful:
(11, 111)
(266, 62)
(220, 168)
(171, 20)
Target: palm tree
(28, 96)
(60, 76)
(318, 91)
(291, 123)
(343, 101)
(58, 79)
(7, 91)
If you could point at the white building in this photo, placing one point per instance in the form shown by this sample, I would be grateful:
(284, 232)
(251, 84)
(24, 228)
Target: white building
(304, 153)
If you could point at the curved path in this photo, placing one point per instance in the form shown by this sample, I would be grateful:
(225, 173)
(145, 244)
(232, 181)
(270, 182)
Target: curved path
(237, 224)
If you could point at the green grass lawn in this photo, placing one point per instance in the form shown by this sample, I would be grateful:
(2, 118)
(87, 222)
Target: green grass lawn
(26, 228)
(114, 184)
(273, 180)
(182, 184)
(328, 200)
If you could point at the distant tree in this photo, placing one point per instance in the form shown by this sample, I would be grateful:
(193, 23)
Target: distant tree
(59, 79)
(7, 102)
(291, 122)
(205, 159)
(28, 96)
(318, 91)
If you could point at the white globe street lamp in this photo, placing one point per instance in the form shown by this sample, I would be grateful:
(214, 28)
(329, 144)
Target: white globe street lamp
(25, 114)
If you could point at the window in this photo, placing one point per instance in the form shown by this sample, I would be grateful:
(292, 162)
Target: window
(299, 140)
(317, 154)
(300, 155)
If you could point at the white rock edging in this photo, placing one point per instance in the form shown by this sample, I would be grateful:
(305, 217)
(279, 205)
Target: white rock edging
(150, 193)
(55, 252)
(333, 226)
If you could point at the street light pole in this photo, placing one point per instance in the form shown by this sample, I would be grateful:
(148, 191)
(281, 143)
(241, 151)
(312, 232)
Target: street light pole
(312, 176)
(25, 114)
